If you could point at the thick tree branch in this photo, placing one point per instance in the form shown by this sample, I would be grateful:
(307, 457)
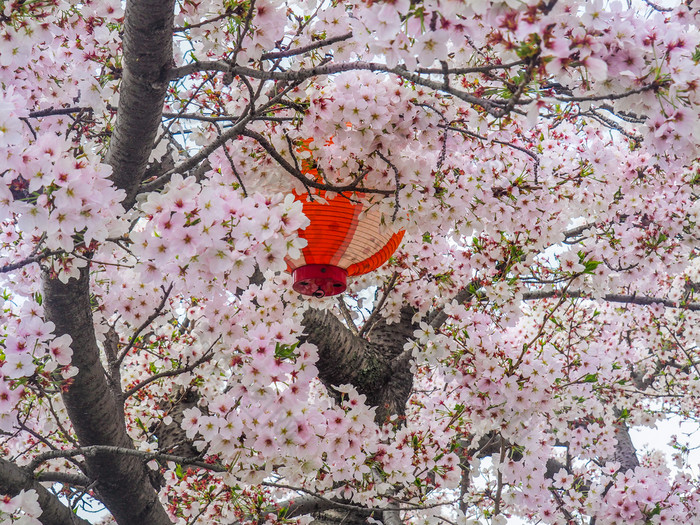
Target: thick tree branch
(13, 479)
(613, 298)
(344, 357)
(304, 505)
(96, 411)
(122, 454)
(28, 260)
(67, 478)
(370, 366)
(148, 55)
(625, 451)
(438, 317)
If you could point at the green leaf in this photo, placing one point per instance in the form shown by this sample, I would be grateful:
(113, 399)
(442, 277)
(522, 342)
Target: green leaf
(590, 266)
(286, 351)
(530, 48)
(591, 378)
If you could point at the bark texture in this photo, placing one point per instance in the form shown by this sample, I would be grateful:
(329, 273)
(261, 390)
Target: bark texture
(373, 365)
(148, 56)
(377, 367)
(93, 404)
(13, 479)
(96, 410)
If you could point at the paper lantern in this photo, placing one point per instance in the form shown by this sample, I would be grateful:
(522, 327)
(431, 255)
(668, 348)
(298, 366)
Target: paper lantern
(344, 239)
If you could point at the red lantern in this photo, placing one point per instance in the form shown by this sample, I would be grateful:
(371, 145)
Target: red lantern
(344, 239)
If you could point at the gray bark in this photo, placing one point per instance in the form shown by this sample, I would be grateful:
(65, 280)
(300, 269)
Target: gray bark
(377, 367)
(148, 56)
(13, 479)
(372, 366)
(94, 406)
(96, 410)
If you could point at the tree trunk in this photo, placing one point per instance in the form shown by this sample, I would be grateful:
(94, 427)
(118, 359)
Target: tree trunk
(96, 410)
(14, 479)
(94, 405)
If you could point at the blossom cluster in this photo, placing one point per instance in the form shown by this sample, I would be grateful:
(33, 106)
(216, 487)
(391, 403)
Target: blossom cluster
(541, 157)
(23, 509)
(27, 347)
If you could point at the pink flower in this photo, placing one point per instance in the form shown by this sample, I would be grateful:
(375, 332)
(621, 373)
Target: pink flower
(597, 68)
(190, 422)
(18, 364)
(8, 397)
(431, 46)
(12, 108)
(60, 349)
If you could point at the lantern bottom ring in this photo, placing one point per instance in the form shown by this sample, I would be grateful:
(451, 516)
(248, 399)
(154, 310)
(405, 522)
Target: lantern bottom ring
(320, 280)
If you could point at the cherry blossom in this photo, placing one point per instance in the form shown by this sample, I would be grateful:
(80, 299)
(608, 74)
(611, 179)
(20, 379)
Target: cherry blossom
(542, 161)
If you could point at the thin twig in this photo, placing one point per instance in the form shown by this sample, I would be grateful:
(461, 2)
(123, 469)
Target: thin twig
(45, 441)
(369, 323)
(221, 118)
(612, 298)
(396, 182)
(352, 187)
(657, 6)
(244, 32)
(613, 125)
(200, 24)
(305, 49)
(610, 96)
(350, 506)
(467, 70)
(50, 112)
(204, 153)
(530, 154)
(156, 313)
(347, 315)
(169, 373)
(231, 163)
